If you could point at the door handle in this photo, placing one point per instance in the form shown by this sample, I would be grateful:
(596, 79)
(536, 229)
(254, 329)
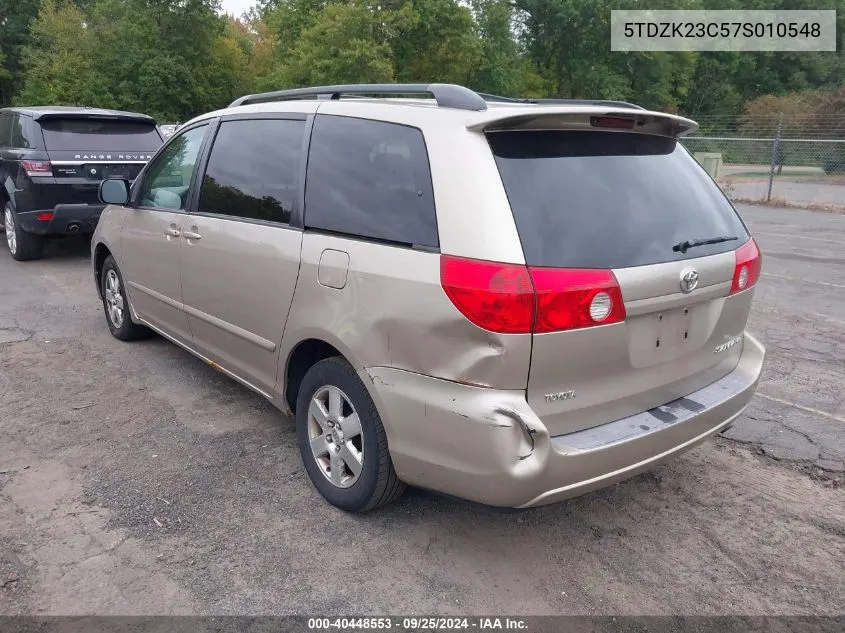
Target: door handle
(172, 232)
(190, 235)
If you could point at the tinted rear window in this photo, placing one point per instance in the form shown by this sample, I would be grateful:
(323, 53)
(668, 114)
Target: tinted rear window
(609, 199)
(93, 135)
(370, 179)
(5, 129)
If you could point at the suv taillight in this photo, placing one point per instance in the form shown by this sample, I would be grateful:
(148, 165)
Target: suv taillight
(516, 299)
(37, 167)
(747, 269)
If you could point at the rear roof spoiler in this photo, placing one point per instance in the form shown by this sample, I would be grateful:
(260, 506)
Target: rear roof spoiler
(582, 102)
(582, 117)
(94, 114)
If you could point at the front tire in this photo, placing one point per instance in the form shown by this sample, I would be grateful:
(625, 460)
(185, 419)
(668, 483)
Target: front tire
(116, 305)
(342, 441)
(23, 246)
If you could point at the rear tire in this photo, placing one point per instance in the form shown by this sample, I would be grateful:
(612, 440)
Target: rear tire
(351, 437)
(116, 305)
(23, 246)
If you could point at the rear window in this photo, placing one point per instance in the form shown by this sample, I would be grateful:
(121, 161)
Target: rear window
(609, 199)
(370, 179)
(93, 135)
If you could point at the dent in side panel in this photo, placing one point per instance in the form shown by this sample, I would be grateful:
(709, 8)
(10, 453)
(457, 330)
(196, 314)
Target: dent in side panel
(393, 312)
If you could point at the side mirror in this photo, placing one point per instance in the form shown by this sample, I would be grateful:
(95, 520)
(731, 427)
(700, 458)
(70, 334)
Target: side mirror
(114, 191)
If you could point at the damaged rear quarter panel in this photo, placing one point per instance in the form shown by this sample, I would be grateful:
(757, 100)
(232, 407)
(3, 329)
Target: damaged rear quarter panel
(393, 312)
(476, 443)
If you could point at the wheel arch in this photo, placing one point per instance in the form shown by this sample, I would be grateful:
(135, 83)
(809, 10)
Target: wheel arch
(311, 346)
(100, 254)
(6, 196)
(302, 357)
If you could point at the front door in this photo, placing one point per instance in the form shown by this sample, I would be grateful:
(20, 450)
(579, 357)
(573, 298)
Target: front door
(240, 256)
(151, 240)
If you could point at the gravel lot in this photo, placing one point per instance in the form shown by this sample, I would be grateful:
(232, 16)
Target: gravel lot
(136, 480)
(799, 192)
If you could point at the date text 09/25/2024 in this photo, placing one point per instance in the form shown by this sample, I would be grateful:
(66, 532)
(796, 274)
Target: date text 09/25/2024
(420, 623)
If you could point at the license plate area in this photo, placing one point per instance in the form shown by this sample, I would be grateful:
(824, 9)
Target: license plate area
(100, 171)
(119, 171)
(672, 327)
(664, 335)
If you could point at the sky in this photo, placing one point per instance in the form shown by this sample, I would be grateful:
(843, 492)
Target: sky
(236, 7)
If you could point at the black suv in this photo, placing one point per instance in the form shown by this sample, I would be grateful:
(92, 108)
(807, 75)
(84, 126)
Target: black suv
(52, 160)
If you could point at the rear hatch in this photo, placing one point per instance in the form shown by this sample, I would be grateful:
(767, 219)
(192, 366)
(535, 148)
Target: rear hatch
(84, 150)
(617, 213)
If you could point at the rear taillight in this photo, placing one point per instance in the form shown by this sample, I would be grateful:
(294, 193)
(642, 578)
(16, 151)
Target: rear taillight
(747, 269)
(574, 298)
(37, 167)
(44, 216)
(497, 297)
(515, 299)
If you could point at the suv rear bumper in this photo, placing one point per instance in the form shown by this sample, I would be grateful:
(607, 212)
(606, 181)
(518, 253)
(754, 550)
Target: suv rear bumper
(68, 219)
(489, 446)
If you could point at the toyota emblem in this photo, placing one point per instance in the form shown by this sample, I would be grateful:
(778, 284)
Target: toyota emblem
(689, 281)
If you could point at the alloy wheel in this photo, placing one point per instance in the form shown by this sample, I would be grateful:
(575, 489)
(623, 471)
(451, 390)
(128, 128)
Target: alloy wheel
(114, 298)
(334, 432)
(11, 238)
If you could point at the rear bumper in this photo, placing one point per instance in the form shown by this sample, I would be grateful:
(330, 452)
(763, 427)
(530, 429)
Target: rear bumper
(67, 219)
(489, 446)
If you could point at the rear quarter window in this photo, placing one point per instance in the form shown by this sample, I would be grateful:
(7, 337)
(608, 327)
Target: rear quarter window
(5, 129)
(20, 132)
(370, 179)
(609, 199)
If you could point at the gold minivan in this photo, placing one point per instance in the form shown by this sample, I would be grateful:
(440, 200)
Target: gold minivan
(510, 301)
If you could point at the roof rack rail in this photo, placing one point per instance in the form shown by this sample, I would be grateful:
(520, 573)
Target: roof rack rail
(446, 95)
(597, 102)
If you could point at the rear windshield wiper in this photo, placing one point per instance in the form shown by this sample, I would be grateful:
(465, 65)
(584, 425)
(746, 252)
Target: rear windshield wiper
(682, 247)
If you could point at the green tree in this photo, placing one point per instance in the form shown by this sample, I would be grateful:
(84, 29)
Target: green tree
(341, 46)
(177, 58)
(287, 19)
(229, 64)
(502, 69)
(434, 40)
(136, 55)
(711, 88)
(568, 42)
(4, 73)
(58, 64)
(16, 17)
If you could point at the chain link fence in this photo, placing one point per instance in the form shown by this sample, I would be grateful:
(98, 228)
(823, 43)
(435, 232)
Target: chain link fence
(787, 161)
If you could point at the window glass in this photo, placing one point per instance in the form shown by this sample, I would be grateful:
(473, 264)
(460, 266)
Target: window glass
(95, 135)
(253, 169)
(19, 130)
(609, 199)
(5, 129)
(168, 177)
(370, 179)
